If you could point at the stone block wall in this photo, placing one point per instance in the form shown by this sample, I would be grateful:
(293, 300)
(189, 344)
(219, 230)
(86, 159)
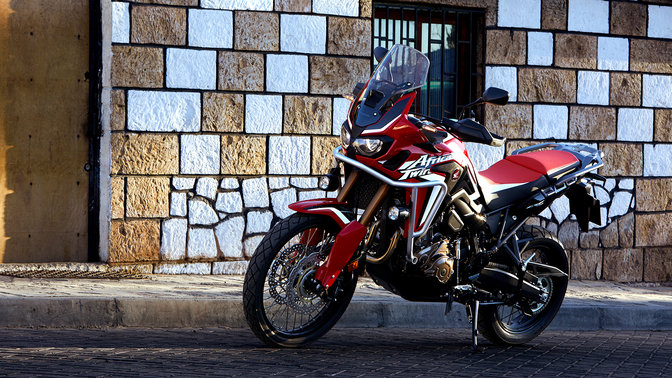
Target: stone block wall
(222, 112)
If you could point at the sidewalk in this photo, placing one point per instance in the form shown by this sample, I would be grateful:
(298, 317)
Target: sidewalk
(212, 301)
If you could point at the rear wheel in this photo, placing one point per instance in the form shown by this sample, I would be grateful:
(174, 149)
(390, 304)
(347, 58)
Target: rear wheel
(509, 325)
(281, 304)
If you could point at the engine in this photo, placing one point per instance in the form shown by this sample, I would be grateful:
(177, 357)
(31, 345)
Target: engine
(436, 261)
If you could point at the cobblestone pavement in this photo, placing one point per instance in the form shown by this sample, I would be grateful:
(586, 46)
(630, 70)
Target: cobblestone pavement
(344, 352)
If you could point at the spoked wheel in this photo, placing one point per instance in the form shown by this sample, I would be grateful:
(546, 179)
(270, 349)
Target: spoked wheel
(283, 305)
(510, 325)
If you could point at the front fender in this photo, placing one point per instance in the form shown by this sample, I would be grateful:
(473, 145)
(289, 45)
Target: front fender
(338, 211)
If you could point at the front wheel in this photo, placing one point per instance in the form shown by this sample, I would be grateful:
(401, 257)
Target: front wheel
(509, 325)
(282, 305)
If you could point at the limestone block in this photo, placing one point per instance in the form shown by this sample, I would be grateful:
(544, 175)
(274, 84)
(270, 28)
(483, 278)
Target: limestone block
(259, 221)
(178, 204)
(147, 197)
(210, 28)
(243, 155)
(336, 76)
(223, 112)
(512, 120)
(307, 115)
(591, 16)
(289, 155)
(620, 203)
(560, 208)
(505, 47)
(539, 49)
(628, 18)
(323, 148)
(206, 187)
(192, 3)
(340, 114)
(592, 123)
(627, 184)
(590, 239)
(547, 85)
(255, 192)
(199, 154)
(174, 239)
(609, 236)
(240, 71)
(202, 244)
(576, 51)
(503, 77)
(623, 265)
(659, 21)
(134, 240)
(136, 66)
(568, 234)
(338, 8)
(257, 31)
(635, 124)
(586, 264)
(229, 267)
(263, 114)
(121, 22)
(550, 122)
(625, 89)
(622, 159)
(229, 202)
(201, 212)
(657, 160)
(658, 264)
(654, 194)
(593, 88)
(304, 182)
(229, 183)
(298, 6)
(278, 182)
(163, 111)
(184, 183)
(117, 196)
(650, 56)
(281, 200)
(303, 33)
(190, 268)
(612, 54)
(159, 25)
(626, 230)
(260, 5)
(349, 36)
(663, 125)
(554, 14)
(610, 184)
(365, 10)
(287, 73)
(653, 229)
(483, 155)
(118, 105)
(519, 14)
(311, 194)
(602, 195)
(191, 69)
(230, 237)
(250, 245)
(657, 90)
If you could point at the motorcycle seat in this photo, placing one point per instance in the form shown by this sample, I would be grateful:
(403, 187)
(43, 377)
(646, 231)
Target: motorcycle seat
(516, 177)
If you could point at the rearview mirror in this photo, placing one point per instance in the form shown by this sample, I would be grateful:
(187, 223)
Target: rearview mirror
(495, 96)
(379, 53)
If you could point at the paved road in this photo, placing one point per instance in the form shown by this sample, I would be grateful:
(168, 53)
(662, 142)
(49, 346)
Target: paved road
(345, 352)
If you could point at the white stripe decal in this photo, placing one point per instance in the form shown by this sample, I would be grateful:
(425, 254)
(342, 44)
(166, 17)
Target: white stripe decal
(430, 204)
(338, 213)
(373, 131)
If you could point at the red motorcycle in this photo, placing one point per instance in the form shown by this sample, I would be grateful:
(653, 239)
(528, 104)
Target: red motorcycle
(414, 212)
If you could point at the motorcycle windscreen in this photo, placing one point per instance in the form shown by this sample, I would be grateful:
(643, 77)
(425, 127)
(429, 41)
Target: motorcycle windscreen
(403, 69)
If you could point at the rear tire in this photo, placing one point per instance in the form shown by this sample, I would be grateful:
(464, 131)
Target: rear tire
(273, 304)
(505, 325)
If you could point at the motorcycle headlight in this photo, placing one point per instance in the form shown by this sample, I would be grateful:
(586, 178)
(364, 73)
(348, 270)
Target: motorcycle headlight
(345, 136)
(368, 146)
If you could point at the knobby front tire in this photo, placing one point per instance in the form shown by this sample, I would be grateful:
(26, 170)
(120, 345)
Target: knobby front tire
(279, 309)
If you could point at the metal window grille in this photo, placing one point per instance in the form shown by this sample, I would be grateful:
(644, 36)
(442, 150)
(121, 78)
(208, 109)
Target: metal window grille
(452, 39)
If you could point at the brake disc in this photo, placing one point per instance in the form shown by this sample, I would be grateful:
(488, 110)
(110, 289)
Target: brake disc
(280, 270)
(299, 298)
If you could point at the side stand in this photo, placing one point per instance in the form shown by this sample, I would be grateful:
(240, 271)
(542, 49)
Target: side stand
(472, 312)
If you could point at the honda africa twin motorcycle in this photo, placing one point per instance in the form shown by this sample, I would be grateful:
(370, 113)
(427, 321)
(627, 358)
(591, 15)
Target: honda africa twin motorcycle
(414, 212)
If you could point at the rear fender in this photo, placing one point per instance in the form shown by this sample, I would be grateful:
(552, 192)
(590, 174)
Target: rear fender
(338, 211)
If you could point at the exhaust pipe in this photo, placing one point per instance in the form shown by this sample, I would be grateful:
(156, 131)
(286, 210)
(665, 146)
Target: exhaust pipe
(497, 279)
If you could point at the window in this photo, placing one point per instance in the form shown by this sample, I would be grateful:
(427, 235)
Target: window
(452, 39)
